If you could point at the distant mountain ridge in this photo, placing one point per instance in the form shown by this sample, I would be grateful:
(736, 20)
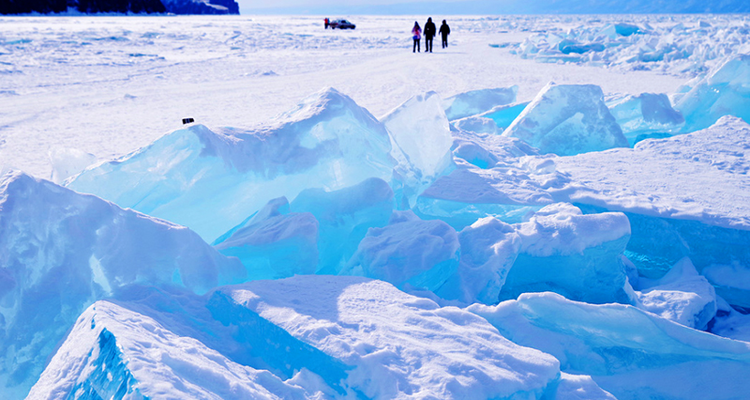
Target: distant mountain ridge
(500, 7)
(119, 6)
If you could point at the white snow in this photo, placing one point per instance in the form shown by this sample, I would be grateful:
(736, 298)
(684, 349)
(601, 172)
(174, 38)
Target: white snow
(681, 295)
(108, 86)
(679, 46)
(113, 352)
(485, 184)
(401, 346)
(698, 176)
(627, 352)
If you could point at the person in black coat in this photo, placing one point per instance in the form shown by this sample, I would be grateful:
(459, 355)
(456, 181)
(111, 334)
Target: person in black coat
(429, 33)
(445, 30)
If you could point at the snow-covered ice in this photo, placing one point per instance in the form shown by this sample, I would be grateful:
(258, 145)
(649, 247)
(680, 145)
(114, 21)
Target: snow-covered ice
(421, 349)
(113, 352)
(628, 352)
(446, 225)
(681, 295)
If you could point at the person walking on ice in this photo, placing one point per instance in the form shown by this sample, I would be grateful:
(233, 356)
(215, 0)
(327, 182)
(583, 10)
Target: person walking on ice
(429, 33)
(417, 35)
(445, 30)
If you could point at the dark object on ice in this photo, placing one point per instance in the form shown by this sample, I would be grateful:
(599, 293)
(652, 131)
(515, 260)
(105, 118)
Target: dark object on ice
(429, 33)
(445, 30)
(326, 23)
(187, 121)
(341, 24)
(120, 6)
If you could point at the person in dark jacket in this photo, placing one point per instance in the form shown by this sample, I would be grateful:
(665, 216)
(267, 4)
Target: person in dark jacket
(445, 30)
(416, 35)
(429, 33)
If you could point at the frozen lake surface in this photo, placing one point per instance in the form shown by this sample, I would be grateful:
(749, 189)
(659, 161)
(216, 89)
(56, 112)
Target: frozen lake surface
(109, 85)
(550, 208)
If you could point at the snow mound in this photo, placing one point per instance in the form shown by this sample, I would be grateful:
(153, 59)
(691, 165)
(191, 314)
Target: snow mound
(211, 181)
(477, 125)
(399, 345)
(559, 250)
(478, 101)
(580, 387)
(60, 251)
(408, 253)
(489, 248)
(724, 91)
(113, 352)
(687, 195)
(568, 120)
(576, 255)
(646, 116)
(495, 176)
(681, 295)
(628, 352)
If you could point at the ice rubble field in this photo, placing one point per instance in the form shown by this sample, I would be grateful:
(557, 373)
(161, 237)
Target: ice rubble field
(494, 236)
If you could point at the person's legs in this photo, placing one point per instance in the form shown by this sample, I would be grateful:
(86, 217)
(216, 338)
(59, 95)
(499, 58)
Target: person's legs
(445, 41)
(429, 43)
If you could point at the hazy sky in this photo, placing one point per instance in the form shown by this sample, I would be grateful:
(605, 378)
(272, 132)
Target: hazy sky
(493, 6)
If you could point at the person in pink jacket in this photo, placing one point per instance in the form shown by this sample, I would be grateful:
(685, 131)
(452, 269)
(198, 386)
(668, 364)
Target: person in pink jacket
(417, 35)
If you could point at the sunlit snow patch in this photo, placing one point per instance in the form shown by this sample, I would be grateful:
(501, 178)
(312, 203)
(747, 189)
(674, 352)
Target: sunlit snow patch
(400, 345)
(681, 295)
